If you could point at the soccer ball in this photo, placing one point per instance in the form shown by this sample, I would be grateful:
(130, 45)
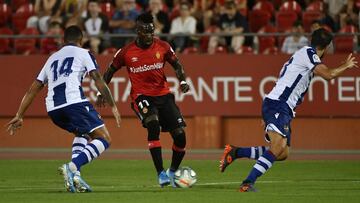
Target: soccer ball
(185, 177)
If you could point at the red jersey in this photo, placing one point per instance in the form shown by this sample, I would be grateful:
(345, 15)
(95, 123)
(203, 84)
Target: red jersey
(146, 67)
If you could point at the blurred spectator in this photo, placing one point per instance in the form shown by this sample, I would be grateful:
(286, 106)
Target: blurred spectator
(184, 24)
(43, 9)
(95, 24)
(232, 22)
(334, 9)
(123, 21)
(70, 12)
(316, 24)
(52, 44)
(296, 41)
(161, 19)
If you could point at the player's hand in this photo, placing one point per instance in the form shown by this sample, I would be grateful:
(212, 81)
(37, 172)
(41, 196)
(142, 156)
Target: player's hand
(184, 87)
(100, 101)
(14, 125)
(116, 115)
(350, 62)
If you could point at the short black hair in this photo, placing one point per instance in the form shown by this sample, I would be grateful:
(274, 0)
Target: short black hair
(321, 38)
(72, 34)
(145, 18)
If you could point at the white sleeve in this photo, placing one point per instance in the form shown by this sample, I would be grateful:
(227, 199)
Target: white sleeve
(192, 26)
(173, 28)
(90, 62)
(311, 59)
(42, 76)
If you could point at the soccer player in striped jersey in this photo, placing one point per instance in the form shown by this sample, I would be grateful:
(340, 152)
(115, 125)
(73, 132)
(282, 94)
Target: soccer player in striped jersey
(68, 107)
(279, 105)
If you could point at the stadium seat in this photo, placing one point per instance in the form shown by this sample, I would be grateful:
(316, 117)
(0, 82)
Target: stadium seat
(21, 16)
(308, 17)
(191, 50)
(107, 9)
(285, 20)
(291, 5)
(264, 5)
(258, 19)
(317, 5)
(5, 14)
(16, 4)
(271, 51)
(344, 44)
(26, 45)
(266, 42)
(5, 43)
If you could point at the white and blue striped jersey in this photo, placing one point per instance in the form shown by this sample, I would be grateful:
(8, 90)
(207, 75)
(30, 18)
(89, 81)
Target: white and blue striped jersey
(295, 77)
(63, 72)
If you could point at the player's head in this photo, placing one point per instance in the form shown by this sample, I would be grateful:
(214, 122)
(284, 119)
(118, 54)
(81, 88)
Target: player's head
(321, 39)
(145, 29)
(73, 34)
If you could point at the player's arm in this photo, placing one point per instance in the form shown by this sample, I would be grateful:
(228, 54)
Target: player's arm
(178, 67)
(28, 98)
(109, 73)
(180, 74)
(106, 94)
(331, 73)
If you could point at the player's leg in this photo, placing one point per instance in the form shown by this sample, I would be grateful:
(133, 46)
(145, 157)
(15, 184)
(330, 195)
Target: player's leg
(148, 113)
(278, 146)
(82, 118)
(153, 127)
(178, 154)
(178, 147)
(232, 153)
(100, 142)
(277, 117)
(172, 121)
(79, 143)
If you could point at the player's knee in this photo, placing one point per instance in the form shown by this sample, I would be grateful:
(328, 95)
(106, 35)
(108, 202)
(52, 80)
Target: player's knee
(101, 133)
(179, 137)
(284, 155)
(278, 147)
(153, 127)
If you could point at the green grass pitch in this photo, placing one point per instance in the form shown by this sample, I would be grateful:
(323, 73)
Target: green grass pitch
(134, 181)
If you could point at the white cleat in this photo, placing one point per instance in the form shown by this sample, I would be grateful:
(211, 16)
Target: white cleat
(81, 185)
(68, 177)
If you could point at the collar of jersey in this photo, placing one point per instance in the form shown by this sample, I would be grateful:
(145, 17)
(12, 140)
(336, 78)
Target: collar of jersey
(70, 44)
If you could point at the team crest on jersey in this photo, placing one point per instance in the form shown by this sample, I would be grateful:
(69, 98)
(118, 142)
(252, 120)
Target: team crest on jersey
(134, 59)
(145, 110)
(157, 55)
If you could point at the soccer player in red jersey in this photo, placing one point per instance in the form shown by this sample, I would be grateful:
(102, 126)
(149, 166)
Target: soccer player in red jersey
(152, 101)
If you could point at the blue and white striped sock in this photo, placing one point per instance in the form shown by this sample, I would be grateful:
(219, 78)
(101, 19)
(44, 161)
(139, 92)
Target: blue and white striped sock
(78, 145)
(250, 152)
(263, 164)
(90, 152)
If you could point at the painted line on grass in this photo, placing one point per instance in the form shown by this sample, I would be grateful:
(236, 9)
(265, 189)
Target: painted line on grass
(32, 188)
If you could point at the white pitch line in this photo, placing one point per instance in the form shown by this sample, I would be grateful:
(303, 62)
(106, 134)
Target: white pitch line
(29, 188)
